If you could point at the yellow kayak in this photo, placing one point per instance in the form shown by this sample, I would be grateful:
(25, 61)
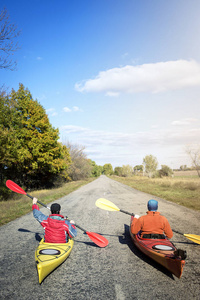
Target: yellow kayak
(49, 256)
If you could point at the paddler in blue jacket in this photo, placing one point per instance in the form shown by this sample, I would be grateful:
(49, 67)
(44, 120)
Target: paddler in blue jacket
(57, 228)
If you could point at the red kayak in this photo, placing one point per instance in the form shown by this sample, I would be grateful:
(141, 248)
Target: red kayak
(162, 251)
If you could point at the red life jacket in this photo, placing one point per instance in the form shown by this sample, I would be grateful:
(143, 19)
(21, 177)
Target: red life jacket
(56, 231)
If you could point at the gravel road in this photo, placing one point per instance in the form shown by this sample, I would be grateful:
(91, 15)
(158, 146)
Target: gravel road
(117, 272)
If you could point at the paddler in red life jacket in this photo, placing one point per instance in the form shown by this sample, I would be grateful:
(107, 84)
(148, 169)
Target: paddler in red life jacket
(57, 229)
(152, 225)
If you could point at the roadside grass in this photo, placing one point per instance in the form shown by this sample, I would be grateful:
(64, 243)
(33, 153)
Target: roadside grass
(20, 205)
(181, 190)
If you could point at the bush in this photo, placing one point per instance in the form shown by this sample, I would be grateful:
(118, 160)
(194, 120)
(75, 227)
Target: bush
(165, 171)
(4, 192)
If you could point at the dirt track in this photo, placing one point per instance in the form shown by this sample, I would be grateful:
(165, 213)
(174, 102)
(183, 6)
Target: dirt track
(118, 271)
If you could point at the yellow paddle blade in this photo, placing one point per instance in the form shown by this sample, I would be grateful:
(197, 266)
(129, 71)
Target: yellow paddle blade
(193, 237)
(106, 204)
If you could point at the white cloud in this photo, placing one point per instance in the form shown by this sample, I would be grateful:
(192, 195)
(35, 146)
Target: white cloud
(50, 109)
(74, 108)
(186, 121)
(154, 78)
(39, 58)
(155, 137)
(51, 112)
(73, 129)
(54, 114)
(120, 148)
(67, 109)
(112, 94)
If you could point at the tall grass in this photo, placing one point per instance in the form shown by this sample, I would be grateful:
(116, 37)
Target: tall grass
(183, 191)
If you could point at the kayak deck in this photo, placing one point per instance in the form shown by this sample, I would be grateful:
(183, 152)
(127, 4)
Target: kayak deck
(162, 251)
(49, 256)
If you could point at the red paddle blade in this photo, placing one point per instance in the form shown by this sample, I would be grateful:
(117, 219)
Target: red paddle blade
(98, 239)
(15, 187)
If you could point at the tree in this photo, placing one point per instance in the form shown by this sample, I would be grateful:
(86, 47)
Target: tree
(108, 169)
(118, 171)
(32, 154)
(165, 171)
(151, 164)
(138, 168)
(127, 170)
(8, 34)
(9, 142)
(194, 153)
(96, 170)
(183, 167)
(80, 167)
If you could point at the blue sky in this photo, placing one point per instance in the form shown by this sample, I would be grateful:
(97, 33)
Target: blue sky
(121, 78)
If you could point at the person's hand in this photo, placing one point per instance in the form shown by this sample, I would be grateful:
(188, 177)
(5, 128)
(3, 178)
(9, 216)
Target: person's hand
(35, 200)
(72, 222)
(136, 216)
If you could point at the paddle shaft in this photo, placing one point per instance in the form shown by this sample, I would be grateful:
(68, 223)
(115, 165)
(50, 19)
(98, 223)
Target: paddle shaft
(38, 201)
(80, 228)
(178, 232)
(126, 212)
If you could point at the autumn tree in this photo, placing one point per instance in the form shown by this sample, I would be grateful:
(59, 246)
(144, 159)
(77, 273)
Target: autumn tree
(150, 163)
(33, 156)
(8, 35)
(9, 142)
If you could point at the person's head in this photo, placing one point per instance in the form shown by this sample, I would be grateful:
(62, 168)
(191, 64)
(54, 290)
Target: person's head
(152, 205)
(55, 208)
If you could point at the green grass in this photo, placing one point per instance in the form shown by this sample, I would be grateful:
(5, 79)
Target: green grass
(20, 205)
(183, 191)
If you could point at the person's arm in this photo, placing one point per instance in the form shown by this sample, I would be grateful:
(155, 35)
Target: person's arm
(38, 215)
(72, 231)
(136, 226)
(167, 229)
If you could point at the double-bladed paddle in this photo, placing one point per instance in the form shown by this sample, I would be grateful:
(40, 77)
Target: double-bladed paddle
(17, 189)
(108, 205)
(98, 239)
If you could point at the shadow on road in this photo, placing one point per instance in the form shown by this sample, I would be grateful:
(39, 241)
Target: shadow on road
(87, 243)
(37, 235)
(126, 239)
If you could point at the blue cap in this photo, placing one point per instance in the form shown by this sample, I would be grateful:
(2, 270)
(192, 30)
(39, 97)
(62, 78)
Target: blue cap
(152, 205)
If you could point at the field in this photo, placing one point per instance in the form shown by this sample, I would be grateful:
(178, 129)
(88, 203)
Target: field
(192, 173)
(183, 188)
